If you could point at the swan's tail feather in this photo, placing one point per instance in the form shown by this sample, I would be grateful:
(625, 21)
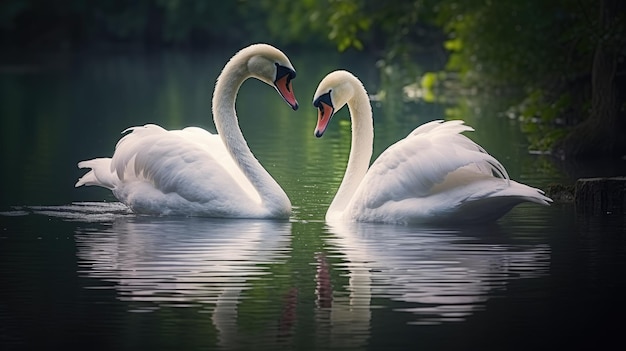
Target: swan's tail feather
(100, 174)
(524, 192)
(539, 198)
(489, 208)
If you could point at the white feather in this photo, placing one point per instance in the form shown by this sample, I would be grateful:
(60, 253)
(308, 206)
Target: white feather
(192, 171)
(435, 174)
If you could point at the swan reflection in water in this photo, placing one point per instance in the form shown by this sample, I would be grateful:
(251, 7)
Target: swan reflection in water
(438, 275)
(154, 262)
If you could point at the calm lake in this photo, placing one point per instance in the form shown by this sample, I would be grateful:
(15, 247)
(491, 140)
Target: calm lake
(78, 270)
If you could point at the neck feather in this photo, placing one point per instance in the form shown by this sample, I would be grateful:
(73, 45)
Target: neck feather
(235, 72)
(360, 151)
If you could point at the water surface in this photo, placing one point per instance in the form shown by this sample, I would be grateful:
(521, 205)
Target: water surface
(79, 270)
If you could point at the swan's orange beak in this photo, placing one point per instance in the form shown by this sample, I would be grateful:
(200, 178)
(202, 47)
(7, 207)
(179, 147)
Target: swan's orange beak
(324, 114)
(285, 89)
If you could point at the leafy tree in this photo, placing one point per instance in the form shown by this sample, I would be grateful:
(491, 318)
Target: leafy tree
(562, 62)
(78, 23)
(560, 59)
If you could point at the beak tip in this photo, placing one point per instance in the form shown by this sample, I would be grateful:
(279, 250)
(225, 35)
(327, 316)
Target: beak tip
(295, 106)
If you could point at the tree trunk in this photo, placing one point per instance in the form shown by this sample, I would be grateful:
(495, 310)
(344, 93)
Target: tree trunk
(604, 104)
(601, 196)
(600, 135)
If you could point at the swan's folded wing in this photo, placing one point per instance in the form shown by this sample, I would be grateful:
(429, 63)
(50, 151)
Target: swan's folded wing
(190, 162)
(413, 166)
(214, 145)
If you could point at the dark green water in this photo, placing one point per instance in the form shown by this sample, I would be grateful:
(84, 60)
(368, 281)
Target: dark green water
(78, 270)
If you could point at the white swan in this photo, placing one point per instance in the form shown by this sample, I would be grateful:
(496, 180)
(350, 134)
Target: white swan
(435, 174)
(193, 172)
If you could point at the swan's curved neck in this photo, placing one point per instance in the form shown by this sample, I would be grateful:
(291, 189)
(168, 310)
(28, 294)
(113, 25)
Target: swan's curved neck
(360, 151)
(233, 75)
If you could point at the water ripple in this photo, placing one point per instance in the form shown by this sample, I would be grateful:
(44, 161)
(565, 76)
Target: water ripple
(92, 212)
(441, 275)
(187, 259)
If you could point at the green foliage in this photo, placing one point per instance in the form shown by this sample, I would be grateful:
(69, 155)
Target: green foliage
(291, 21)
(541, 51)
(514, 43)
(25, 23)
(345, 22)
(317, 22)
(538, 52)
(541, 118)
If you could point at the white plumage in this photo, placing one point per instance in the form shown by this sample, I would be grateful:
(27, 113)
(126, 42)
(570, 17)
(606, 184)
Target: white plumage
(435, 174)
(193, 172)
